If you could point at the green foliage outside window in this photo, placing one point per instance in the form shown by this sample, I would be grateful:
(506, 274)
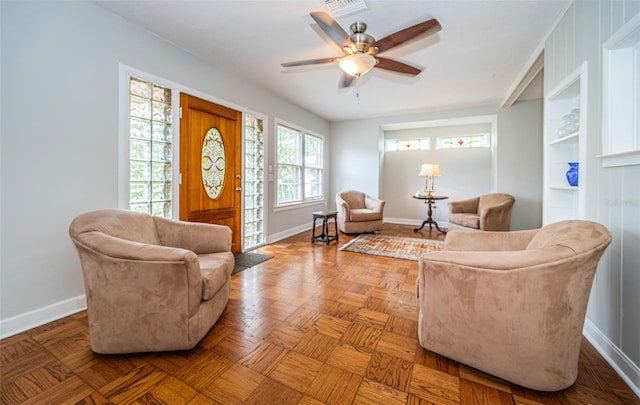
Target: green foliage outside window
(299, 166)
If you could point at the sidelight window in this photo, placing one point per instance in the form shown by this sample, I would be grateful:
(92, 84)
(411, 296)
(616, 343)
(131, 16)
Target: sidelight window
(253, 181)
(150, 148)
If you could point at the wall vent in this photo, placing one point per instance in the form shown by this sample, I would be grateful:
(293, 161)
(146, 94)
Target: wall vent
(339, 8)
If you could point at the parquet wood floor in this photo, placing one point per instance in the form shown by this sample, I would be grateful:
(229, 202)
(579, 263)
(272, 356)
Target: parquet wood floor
(310, 326)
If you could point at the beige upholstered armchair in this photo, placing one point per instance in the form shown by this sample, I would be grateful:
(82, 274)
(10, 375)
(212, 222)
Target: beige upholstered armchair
(489, 212)
(358, 212)
(151, 284)
(512, 304)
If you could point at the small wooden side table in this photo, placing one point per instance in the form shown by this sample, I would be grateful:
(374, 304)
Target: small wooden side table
(429, 201)
(325, 216)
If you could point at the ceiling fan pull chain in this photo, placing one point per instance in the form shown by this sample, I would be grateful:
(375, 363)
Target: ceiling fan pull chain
(358, 88)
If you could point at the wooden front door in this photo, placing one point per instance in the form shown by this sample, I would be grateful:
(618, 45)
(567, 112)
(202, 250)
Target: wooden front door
(210, 165)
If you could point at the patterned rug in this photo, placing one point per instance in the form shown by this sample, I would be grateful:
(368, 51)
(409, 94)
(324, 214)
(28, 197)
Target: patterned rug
(392, 246)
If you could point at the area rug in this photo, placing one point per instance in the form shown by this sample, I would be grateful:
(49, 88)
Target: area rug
(247, 260)
(392, 246)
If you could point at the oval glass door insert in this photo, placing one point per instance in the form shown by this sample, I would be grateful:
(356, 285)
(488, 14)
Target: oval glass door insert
(214, 165)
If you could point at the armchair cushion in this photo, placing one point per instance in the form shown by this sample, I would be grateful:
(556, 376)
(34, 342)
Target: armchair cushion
(214, 268)
(364, 214)
(490, 241)
(512, 304)
(466, 220)
(469, 206)
(354, 199)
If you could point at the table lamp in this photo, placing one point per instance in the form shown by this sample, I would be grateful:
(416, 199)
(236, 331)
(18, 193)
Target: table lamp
(429, 171)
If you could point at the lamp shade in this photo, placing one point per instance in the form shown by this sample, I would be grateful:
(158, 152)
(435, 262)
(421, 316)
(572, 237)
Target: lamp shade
(357, 64)
(430, 169)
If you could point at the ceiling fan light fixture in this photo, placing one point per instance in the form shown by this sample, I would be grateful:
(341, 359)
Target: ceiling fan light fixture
(359, 48)
(357, 64)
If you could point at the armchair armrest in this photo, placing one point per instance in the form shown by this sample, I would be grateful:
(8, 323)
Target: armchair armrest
(123, 249)
(496, 217)
(342, 208)
(197, 237)
(373, 203)
(488, 241)
(468, 206)
(496, 261)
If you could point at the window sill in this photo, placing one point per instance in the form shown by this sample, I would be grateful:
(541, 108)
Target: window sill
(630, 158)
(297, 205)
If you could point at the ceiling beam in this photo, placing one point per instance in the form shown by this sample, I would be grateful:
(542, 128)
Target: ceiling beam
(517, 90)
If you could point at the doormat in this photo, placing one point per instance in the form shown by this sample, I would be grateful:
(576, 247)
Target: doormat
(392, 246)
(248, 260)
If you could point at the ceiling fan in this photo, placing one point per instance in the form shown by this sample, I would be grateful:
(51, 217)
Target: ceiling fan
(361, 49)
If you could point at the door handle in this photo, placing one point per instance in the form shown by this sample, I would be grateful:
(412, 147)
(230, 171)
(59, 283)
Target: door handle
(238, 188)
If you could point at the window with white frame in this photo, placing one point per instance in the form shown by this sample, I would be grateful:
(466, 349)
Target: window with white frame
(313, 165)
(150, 148)
(300, 165)
(400, 145)
(462, 142)
(621, 96)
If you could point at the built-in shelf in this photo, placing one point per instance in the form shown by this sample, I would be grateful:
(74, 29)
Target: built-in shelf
(571, 188)
(568, 138)
(561, 200)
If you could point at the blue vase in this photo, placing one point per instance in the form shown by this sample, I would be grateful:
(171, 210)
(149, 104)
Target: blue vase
(572, 174)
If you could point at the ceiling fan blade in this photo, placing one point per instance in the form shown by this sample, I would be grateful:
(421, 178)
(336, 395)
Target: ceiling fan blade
(346, 80)
(331, 28)
(395, 66)
(311, 62)
(430, 26)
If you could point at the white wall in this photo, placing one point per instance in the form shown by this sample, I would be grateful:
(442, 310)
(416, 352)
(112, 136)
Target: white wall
(465, 173)
(515, 168)
(519, 167)
(613, 323)
(355, 157)
(59, 139)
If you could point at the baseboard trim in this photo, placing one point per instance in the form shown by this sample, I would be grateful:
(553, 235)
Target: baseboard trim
(29, 320)
(627, 370)
(409, 221)
(294, 231)
(289, 232)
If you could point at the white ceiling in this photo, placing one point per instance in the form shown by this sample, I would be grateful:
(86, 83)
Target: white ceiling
(478, 56)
